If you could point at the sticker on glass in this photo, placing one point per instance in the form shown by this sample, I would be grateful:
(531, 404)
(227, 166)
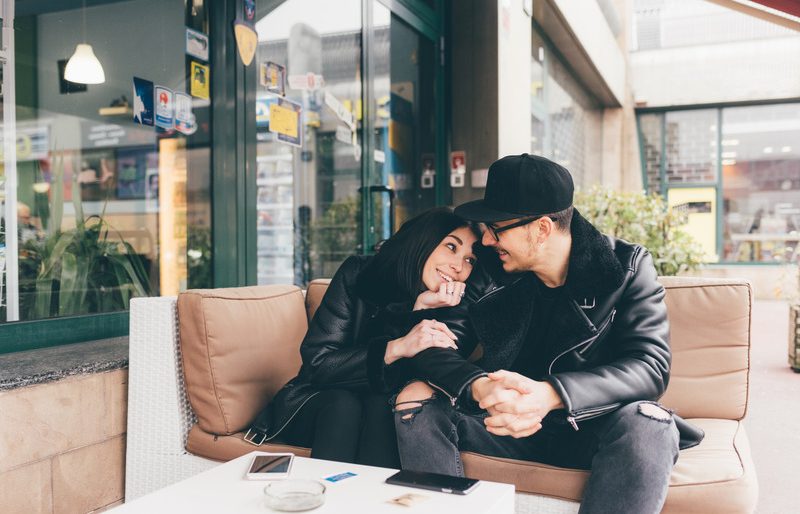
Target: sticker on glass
(273, 77)
(197, 44)
(142, 101)
(185, 122)
(285, 120)
(200, 80)
(165, 108)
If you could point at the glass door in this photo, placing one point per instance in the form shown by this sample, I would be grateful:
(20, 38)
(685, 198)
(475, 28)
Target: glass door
(333, 179)
(308, 149)
(402, 178)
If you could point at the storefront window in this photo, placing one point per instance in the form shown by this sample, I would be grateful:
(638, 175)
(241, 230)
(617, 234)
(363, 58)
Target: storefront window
(566, 121)
(105, 185)
(761, 183)
(691, 146)
(650, 132)
(757, 152)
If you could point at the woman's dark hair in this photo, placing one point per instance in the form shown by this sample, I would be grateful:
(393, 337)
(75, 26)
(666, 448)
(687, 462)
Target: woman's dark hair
(397, 267)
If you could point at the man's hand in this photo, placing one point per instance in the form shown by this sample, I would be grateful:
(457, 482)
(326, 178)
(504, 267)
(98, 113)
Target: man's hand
(520, 415)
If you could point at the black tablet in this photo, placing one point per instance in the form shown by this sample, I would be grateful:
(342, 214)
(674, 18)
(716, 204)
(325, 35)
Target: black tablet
(433, 481)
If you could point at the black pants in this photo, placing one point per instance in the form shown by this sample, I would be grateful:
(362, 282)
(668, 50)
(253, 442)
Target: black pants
(345, 426)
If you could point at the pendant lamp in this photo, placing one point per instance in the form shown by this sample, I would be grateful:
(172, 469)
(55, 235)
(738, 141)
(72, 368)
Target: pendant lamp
(83, 67)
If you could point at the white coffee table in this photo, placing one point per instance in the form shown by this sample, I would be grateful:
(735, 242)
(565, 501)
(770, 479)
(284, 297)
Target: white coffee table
(224, 489)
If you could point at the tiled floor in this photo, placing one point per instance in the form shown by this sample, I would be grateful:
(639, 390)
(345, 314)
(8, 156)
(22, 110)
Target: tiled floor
(773, 421)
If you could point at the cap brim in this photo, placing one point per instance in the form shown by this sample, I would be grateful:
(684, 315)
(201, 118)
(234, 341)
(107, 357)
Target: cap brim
(477, 210)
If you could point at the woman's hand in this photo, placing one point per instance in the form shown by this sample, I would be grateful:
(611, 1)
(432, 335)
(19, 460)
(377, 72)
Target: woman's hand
(448, 295)
(427, 333)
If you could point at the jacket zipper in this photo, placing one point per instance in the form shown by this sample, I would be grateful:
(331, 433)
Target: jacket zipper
(490, 293)
(590, 413)
(454, 399)
(574, 418)
(600, 330)
(273, 436)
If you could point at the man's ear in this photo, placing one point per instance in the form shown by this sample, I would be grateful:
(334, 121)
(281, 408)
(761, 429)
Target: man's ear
(546, 228)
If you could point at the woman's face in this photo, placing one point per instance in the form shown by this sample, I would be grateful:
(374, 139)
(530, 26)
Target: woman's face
(451, 260)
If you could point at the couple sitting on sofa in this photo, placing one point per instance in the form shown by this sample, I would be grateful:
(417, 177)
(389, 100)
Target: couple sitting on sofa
(575, 348)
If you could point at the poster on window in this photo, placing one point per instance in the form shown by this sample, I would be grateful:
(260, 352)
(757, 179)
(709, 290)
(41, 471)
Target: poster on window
(273, 77)
(165, 108)
(185, 121)
(200, 81)
(142, 101)
(197, 44)
(285, 120)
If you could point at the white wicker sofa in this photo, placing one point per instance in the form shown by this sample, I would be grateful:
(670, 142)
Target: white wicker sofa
(197, 379)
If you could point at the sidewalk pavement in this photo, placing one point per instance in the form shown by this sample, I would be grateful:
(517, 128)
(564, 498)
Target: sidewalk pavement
(773, 419)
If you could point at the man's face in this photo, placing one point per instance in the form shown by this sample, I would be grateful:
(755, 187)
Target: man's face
(516, 246)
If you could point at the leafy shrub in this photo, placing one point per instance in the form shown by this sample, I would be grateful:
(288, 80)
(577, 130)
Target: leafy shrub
(644, 219)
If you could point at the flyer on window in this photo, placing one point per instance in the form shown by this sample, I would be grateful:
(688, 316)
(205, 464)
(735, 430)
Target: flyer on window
(285, 120)
(143, 101)
(200, 81)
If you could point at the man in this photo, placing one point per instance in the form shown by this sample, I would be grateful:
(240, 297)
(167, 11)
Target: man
(577, 346)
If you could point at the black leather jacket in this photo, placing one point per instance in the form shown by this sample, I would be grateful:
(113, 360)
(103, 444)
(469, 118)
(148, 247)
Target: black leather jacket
(611, 335)
(346, 341)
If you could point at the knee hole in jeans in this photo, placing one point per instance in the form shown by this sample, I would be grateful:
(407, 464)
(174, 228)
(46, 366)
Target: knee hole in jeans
(655, 411)
(413, 398)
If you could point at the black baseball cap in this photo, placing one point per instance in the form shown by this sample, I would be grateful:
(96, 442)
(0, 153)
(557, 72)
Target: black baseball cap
(519, 186)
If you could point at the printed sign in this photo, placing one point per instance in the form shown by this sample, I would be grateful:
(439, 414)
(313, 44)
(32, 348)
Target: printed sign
(273, 77)
(344, 134)
(428, 175)
(308, 82)
(185, 122)
(285, 121)
(165, 108)
(341, 112)
(142, 101)
(262, 110)
(200, 80)
(196, 44)
(458, 168)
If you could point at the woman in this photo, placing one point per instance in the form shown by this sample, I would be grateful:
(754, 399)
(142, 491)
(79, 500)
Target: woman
(378, 311)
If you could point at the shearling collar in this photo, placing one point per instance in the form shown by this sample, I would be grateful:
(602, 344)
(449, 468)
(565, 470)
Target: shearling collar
(594, 269)
(502, 318)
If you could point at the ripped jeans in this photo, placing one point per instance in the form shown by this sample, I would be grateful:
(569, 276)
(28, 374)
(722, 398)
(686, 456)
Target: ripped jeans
(630, 451)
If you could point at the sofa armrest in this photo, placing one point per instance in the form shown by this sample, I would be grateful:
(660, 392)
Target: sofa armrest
(159, 415)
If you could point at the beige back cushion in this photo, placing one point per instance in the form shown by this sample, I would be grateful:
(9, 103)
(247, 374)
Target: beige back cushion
(314, 293)
(710, 340)
(239, 347)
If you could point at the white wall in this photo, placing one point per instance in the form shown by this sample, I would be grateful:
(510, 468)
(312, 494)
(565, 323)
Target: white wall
(513, 78)
(727, 72)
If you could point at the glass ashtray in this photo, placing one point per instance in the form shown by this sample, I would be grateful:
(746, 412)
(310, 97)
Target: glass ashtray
(294, 495)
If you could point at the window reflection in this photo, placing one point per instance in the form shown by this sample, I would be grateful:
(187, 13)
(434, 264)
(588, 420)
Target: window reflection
(761, 183)
(105, 207)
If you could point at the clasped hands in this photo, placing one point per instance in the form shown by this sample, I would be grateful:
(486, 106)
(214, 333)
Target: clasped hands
(516, 404)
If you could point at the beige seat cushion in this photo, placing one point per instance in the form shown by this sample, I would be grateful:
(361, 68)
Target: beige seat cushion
(715, 476)
(238, 346)
(228, 447)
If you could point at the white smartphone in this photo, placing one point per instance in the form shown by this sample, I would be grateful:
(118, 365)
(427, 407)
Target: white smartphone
(270, 466)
